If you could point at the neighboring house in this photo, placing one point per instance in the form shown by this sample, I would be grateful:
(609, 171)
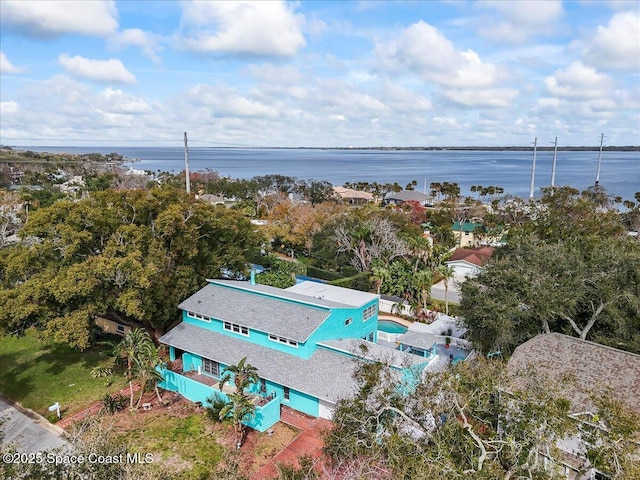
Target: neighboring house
(467, 262)
(115, 326)
(354, 197)
(73, 185)
(212, 199)
(406, 196)
(593, 369)
(466, 233)
(305, 342)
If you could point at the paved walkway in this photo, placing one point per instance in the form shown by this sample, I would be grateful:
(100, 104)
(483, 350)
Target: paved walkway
(308, 442)
(28, 431)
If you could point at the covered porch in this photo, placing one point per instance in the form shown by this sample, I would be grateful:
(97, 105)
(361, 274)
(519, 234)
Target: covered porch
(200, 388)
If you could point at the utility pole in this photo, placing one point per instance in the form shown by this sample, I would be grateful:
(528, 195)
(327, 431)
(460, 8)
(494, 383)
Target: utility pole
(553, 168)
(599, 160)
(186, 164)
(533, 168)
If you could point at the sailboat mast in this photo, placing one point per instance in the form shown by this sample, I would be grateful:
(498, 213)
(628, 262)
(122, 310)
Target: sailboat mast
(533, 168)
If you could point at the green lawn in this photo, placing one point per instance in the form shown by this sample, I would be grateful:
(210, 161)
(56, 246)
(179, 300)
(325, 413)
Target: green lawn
(36, 373)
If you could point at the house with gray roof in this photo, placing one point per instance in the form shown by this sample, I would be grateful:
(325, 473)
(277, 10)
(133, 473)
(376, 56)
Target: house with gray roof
(305, 341)
(586, 370)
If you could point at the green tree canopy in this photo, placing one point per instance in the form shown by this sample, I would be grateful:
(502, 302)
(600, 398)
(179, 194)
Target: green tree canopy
(589, 289)
(135, 254)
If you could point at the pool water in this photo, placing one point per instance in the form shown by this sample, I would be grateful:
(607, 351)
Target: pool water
(457, 352)
(389, 326)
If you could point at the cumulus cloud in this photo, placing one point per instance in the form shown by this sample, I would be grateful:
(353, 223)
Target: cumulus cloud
(618, 44)
(222, 101)
(148, 43)
(6, 67)
(102, 71)
(250, 28)
(578, 81)
(423, 49)
(517, 21)
(55, 18)
(116, 101)
(490, 98)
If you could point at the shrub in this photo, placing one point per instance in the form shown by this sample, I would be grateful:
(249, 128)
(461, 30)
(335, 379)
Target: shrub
(217, 404)
(114, 403)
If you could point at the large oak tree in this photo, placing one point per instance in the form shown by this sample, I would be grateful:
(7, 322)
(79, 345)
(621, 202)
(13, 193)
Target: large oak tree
(134, 254)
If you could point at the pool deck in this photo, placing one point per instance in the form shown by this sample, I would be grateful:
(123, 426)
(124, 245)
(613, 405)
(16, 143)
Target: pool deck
(394, 318)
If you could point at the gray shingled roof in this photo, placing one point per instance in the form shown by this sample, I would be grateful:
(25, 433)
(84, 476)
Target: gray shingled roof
(408, 195)
(326, 375)
(418, 339)
(594, 367)
(223, 300)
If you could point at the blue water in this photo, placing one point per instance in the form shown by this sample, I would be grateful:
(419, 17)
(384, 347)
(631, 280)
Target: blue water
(389, 326)
(457, 352)
(620, 172)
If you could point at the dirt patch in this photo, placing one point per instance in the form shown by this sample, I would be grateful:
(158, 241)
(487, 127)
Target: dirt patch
(185, 442)
(259, 448)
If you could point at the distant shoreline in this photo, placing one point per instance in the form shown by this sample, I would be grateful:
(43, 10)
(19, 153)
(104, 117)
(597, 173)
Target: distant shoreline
(613, 148)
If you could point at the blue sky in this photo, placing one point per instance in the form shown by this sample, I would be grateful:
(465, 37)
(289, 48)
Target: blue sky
(326, 74)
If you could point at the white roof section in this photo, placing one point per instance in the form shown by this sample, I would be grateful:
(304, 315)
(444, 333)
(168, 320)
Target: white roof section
(442, 324)
(372, 351)
(345, 296)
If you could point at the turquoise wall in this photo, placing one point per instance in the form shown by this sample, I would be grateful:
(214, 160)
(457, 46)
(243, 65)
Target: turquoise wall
(265, 416)
(334, 328)
(331, 329)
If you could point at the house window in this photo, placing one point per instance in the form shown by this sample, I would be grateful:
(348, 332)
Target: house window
(263, 385)
(283, 340)
(286, 394)
(235, 328)
(368, 337)
(211, 367)
(348, 321)
(120, 328)
(201, 317)
(368, 312)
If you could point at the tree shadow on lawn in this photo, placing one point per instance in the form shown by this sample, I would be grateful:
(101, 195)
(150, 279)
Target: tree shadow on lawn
(13, 387)
(26, 373)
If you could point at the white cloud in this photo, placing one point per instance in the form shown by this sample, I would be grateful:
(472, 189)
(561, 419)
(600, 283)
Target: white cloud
(103, 71)
(618, 44)
(402, 99)
(222, 101)
(490, 98)
(423, 49)
(517, 21)
(6, 67)
(117, 101)
(9, 107)
(253, 28)
(53, 18)
(578, 81)
(147, 42)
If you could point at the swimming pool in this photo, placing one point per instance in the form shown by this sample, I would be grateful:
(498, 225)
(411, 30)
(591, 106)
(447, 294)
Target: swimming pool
(457, 352)
(389, 326)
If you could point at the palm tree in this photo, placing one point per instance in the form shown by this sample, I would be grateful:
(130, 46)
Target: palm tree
(134, 347)
(244, 374)
(379, 275)
(145, 372)
(447, 273)
(422, 285)
(238, 409)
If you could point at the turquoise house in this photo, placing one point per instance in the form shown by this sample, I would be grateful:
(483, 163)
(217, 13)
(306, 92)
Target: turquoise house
(305, 342)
